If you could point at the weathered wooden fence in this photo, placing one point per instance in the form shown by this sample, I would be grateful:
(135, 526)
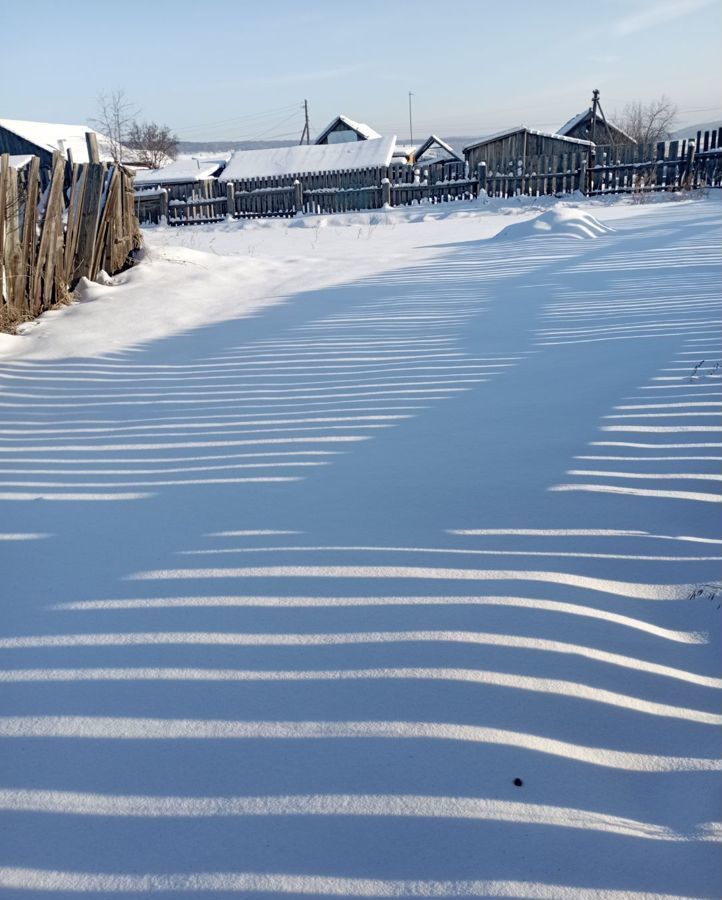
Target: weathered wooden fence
(669, 166)
(261, 198)
(538, 175)
(665, 166)
(632, 168)
(52, 237)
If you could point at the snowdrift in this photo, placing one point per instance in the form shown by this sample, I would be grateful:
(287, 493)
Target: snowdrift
(559, 222)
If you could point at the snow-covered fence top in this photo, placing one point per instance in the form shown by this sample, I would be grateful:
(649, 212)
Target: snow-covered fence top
(307, 159)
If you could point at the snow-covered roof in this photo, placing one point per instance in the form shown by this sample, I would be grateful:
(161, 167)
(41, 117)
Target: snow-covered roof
(19, 162)
(180, 170)
(430, 141)
(574, 121)
(580, 117)
(508, 131)
(403, 150)
(52, 136)
(367, 133)
(309, 158)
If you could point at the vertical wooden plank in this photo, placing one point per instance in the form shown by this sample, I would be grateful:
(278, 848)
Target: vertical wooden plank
(91, 142)
(44, 284)
(581, 172)
(88, 225)
(4, 170)
(30, 213)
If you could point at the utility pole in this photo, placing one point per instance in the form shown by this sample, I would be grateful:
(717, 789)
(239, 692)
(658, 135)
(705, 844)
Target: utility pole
(597, 109)
(595, 106)
(411, 124)
(306, 133)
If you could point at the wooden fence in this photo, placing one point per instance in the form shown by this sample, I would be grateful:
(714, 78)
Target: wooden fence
(632, 168)
(52, 237)
(667, 166)
(537, 176)
(262, 198)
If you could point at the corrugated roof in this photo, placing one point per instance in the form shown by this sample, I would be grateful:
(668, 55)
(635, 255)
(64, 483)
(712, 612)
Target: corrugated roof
(52, 136)
(307, 159)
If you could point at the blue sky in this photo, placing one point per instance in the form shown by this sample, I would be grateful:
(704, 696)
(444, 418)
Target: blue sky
(240, 70)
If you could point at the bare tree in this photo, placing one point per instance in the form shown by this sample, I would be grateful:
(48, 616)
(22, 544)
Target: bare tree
(152, 144)
(649, 122)
(114, 119)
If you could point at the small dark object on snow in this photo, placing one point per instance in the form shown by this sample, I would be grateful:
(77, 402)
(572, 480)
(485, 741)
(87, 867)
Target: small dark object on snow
(518, 782)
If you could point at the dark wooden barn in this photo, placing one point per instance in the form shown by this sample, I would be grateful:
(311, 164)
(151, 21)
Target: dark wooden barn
(602, 133)
(42, 139)
(512, 148)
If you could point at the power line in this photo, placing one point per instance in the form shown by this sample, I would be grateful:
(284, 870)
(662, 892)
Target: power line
(236, 120)
(276, 125)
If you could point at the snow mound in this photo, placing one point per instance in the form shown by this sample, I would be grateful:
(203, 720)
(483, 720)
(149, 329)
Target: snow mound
(560, 222)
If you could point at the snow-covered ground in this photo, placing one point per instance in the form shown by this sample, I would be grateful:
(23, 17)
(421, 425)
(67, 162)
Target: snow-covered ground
(370, 556)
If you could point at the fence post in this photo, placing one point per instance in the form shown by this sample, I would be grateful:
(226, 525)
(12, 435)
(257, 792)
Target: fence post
(91, 141)
(164, 206)
(481, 175)
(591, 162)
(659, 169)
(582, 173)
(298, 196)
(688, 175)
(230, 200)
(385, 192)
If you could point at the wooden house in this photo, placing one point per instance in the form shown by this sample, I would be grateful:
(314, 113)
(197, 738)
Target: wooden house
(42, 139)
(342, 129)
(513, 147)
(603, 133)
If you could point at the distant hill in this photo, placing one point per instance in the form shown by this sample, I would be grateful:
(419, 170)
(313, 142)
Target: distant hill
(189, 147)
(690, 131)
(219, 146)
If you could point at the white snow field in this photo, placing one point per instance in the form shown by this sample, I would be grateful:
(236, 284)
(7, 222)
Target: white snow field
(370, 556)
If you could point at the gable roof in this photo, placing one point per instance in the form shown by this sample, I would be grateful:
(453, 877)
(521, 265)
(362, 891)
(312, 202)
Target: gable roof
(429, 142)
(509, 131)
(587, 114)
(367, 133)
(181, 170)
(309, 158)
(49, 136)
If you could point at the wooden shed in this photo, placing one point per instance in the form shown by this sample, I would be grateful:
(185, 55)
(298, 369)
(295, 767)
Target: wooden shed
(513, 147)
(605, 133)
(342, 129)
(42, 139)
